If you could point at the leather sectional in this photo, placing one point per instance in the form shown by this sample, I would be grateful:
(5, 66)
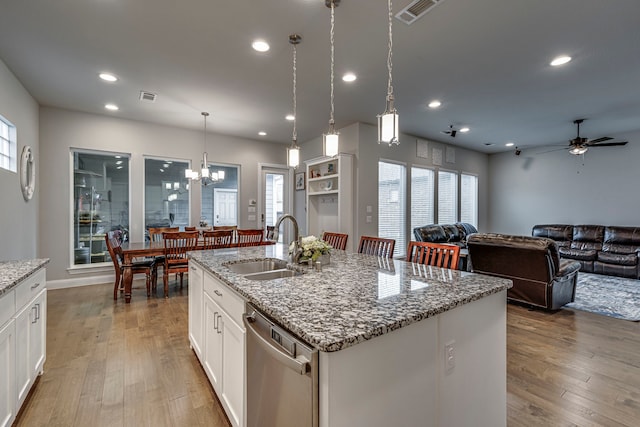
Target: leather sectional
(600, 249)
(445, 233)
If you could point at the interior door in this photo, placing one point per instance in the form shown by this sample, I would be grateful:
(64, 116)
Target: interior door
(275, 199)
(225, 206)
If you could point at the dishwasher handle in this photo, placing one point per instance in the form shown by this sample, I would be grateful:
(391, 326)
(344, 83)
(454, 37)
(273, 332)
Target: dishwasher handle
(299, 366)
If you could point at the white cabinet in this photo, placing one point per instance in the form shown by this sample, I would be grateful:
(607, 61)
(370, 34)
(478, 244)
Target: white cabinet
(222, 340)
(196, 305)
(330, 196)
(23, 327)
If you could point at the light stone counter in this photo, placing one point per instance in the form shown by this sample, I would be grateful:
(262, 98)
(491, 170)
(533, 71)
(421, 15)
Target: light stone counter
(355, 298)
(13, 272)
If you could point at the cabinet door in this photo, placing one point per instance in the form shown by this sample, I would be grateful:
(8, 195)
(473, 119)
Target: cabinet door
(213, 343)
(196, 318)
(24, 376)
(233, 371)
(7, 374)
(38, 334)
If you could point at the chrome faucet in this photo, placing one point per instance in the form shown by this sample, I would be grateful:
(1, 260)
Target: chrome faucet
(297, 243)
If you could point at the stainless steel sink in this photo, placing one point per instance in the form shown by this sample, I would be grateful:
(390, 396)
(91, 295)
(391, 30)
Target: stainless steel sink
(249, 267)
(273, 274)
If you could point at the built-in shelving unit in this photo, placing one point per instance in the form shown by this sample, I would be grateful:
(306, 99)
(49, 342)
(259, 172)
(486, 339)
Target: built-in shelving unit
(330, 196)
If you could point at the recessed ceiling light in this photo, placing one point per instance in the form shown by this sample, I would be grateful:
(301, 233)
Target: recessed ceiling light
(112, 107)
(260, 45)
(509, 144)
(349, 77)
(560, 60)
(435, 104)
(262, 133)
(290, 117)
(464, 130)
(108, 77)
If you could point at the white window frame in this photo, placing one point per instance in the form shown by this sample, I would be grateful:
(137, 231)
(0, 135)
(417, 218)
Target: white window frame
(8, 145)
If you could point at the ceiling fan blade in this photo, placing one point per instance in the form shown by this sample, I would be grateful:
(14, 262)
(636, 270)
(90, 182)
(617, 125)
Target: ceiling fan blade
(608, 144)
(595, 141)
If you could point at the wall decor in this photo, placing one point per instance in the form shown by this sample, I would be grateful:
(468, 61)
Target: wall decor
(27, 173)
(300, 181)
(436, 158)
(422, 149)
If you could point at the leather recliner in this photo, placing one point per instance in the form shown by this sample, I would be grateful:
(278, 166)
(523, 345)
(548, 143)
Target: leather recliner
(455, 234)
(540, 278)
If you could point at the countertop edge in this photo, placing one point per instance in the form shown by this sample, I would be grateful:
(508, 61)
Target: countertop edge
(24, 268)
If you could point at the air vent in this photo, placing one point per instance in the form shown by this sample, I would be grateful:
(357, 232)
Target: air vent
(415, 10)
(147, 96)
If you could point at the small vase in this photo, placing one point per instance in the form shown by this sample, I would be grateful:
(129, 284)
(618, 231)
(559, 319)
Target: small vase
(324, 259)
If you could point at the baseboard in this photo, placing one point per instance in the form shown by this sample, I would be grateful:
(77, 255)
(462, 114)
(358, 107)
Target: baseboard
(80, 281)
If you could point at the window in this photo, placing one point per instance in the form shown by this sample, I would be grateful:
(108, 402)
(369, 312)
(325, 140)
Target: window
(220, 200)
(391, 204)
(447, 197)
(422, 197)
(8, 155)
(100, 203)
(469, 199)
(166, 193)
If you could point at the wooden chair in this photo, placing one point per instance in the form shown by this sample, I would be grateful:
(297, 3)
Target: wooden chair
(176, 246)
(217, 239)
(250, 237)
(233, 228)
(336, 240)
(155, 233)
(435, 254)
(376, 246)
(190, 229)
(146, 266)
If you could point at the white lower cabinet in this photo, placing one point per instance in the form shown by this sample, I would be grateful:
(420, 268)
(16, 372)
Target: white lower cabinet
(22, 342)
(223, 341)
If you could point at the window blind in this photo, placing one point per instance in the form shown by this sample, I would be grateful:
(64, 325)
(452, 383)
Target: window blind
(422, 198)
(391, 204)
(469, 199)
(447, 197)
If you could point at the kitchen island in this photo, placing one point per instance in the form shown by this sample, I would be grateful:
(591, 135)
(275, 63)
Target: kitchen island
(400, 344)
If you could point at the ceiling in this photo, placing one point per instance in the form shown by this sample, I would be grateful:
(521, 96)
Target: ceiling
(487, 61)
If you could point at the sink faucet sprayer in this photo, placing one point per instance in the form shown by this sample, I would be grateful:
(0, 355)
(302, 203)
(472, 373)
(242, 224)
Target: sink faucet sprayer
(297, 243)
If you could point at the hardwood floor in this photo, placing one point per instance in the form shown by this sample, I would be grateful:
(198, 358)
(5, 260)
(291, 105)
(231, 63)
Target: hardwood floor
(111, 364)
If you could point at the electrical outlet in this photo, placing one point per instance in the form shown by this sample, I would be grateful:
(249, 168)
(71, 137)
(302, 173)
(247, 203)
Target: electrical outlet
(449, 356)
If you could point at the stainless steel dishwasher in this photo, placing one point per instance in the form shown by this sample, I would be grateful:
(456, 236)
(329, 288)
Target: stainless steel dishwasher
(282, 375)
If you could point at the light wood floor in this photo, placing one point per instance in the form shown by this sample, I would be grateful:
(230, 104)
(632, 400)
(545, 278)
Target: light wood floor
(111, 364)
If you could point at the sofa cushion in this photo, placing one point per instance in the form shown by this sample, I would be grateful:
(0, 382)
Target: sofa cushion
(452, 232)
(588, 237)
(620, 259)
(430, 233)
(561, 233)
(579, 254)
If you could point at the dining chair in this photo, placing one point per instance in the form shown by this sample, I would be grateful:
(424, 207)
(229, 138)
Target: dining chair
(176, 246)
(155, 233)
(336, 240)
(250, 237)
(376, 246)
(146, 266)
(190, 229)
(435, 254)
(233, 228)
(216, 239)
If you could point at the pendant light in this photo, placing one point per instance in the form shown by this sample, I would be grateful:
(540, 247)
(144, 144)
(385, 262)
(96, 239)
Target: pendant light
(293, 152)
(388, 121)
(205, 176)
(330, 139)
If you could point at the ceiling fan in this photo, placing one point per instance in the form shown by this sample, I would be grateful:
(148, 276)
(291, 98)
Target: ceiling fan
(451, 131)
(580, 145)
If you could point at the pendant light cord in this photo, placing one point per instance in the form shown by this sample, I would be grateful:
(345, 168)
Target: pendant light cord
(390, 55)
(295, 113)
(331, 120)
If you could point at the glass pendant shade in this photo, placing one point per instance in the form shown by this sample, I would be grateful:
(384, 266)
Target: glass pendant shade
(578, 150)
(388, 128)
(330, 144)
(293, 156)
(205, 176)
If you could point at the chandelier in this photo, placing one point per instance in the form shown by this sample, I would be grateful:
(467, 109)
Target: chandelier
(330, 139)
(388, 121)
(205, 176)
(293, 152)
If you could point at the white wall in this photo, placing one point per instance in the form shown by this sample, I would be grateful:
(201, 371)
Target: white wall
(61, 130)
(557, 187)
(19, 219)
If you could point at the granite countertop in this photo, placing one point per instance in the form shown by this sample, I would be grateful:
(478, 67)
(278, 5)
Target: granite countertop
(13, 272)
(355, 298)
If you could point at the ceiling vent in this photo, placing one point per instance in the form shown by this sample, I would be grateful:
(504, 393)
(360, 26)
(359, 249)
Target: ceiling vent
(147, 96)
(415, 10)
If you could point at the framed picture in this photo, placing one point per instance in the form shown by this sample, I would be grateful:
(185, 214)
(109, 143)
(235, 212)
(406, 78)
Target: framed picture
(300, 181)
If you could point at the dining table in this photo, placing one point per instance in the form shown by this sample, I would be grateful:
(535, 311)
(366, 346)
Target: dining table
(133, 250)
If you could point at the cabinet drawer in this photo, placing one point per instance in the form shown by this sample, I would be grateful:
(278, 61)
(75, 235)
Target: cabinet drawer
(7, 306)
(226, 298)
(30, 287)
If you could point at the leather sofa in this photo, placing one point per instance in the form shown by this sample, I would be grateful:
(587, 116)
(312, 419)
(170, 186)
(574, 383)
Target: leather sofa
(540, 278)
(600, 249)
(445, 233)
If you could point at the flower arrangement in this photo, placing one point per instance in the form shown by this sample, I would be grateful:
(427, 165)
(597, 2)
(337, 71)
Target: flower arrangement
(312, 248)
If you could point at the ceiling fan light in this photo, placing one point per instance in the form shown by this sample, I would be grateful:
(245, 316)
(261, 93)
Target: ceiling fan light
(578, 150)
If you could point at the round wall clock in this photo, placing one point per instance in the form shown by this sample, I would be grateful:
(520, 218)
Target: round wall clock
(27, 173)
